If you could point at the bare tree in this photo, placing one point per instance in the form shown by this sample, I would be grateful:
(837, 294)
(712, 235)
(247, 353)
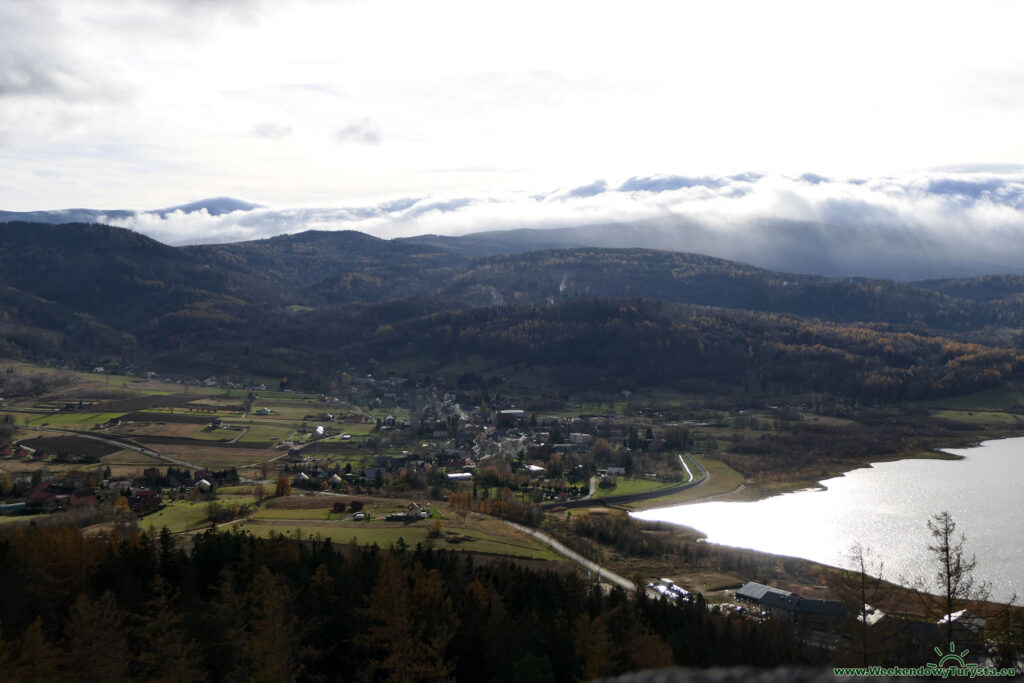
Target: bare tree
(864, 589)
(955, 576)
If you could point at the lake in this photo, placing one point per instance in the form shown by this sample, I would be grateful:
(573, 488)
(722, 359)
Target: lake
(885, 507)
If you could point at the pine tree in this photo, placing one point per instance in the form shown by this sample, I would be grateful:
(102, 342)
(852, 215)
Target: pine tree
(96, 648)
(955, 575)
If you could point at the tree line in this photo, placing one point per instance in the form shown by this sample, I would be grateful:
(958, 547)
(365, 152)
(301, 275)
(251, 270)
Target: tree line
(235, 607)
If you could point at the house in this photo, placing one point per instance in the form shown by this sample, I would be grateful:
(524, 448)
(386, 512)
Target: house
(48, 495)
(144, 500)
(82, 497)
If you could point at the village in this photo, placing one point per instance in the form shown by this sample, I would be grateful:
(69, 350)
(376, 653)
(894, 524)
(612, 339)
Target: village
(389, 462)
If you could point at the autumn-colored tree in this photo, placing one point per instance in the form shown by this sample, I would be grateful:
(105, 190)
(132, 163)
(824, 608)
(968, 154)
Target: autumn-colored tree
(284, 487)
(954, 576)
(37, 661)
(407, 629)
(273, 634)
(646, 650)
(121, 505)
(593, 647)
(96, 648)
(436, 527)
(162, 650)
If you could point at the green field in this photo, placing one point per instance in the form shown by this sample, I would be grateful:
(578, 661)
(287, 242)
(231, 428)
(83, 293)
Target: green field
(979, 417)
(264, 432)
(1003, 398)
(73, 419)
(296, 514)
(186, 515)
(467, 540)
(723, 479)
(626, 486)
(179, 516)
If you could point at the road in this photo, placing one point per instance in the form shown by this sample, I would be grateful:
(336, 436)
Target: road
(685, 467)
(120, 444)
(601, 572)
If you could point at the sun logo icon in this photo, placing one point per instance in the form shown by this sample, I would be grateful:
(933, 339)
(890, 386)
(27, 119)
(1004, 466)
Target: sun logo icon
(951, 658)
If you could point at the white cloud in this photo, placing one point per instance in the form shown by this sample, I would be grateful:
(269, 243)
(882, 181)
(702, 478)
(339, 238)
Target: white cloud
(146, 102)
(878, 226)
(363, 132)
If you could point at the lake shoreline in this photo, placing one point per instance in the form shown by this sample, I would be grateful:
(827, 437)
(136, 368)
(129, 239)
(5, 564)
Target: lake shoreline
(894, 518)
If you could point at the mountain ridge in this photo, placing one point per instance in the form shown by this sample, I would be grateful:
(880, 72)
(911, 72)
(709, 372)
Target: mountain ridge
(298, 305)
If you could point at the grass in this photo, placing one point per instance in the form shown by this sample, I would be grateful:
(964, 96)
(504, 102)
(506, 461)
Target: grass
(243, 489)
(73, 419)
(187, 515)
(7, 519)
(207, 434)
(263, 432)
(465, 539)
(723, 480)
(1002, 398)
(979, 417)
(129, 457)
(627, 486)
(179, 516)
(295, 514)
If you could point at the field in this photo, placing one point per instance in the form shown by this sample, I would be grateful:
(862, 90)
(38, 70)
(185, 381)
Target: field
(723, 480)
(71, 420)
(186, 515)
(217, 458)
(454, 536)
(627, 486)
(1003, 398)
(979, 417)
(71, 444)
(308, 515)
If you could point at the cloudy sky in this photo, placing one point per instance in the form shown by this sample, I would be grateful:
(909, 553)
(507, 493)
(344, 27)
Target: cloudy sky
(455, 116)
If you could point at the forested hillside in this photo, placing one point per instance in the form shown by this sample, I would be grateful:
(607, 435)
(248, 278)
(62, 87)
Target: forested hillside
(239, 608)
(305, 305)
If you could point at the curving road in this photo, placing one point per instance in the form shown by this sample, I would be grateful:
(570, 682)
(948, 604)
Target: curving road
(602, 572)
(120, 444)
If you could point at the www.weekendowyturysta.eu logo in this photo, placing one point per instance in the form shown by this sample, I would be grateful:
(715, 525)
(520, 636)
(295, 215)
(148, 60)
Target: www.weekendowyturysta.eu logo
(951, 664)
(951, 659)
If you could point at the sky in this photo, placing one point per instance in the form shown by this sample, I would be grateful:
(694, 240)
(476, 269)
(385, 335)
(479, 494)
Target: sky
(510, 113)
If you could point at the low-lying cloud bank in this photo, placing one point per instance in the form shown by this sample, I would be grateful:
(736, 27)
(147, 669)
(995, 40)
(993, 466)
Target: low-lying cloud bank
(928, 224)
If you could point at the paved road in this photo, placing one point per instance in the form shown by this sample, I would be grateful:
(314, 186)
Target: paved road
(121, 444)
(685, 467)
(603, 574)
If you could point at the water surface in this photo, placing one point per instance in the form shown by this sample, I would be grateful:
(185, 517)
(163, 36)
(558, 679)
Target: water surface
(885, 507)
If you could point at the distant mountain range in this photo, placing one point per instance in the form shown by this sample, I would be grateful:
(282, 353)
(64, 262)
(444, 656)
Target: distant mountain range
(304, 305)
(866, 249)
(215, 206)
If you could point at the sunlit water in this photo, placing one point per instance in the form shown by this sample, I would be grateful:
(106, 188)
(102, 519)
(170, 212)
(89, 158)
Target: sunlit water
(884, 508)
